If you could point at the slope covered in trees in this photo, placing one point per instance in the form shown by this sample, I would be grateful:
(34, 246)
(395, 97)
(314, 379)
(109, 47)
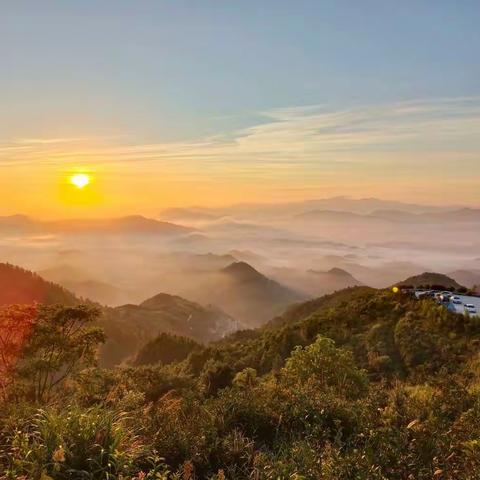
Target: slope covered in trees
(362, 384)
(129, 327)
(389, 335)
(165, 349)
(431, 279)
(21, 286)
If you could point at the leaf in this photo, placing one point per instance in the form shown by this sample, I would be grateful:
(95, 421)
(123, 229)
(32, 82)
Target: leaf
(412, 424)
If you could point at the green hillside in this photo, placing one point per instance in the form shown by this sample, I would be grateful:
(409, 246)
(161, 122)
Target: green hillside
(21, 286)
(430, 279)
(129, 327)
(361, 384)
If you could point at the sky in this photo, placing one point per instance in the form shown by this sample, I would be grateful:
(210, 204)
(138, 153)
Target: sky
(177, 103)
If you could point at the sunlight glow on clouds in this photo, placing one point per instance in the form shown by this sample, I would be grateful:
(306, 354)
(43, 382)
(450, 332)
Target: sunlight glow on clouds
(321, 148)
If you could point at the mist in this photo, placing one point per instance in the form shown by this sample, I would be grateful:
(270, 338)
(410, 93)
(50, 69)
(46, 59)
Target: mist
(310, 248)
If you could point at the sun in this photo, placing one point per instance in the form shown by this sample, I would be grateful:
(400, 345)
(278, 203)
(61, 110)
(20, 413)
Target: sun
(80, 180)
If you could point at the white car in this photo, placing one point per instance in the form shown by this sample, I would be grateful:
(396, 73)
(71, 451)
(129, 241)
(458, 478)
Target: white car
(470, 309)
(456, 300)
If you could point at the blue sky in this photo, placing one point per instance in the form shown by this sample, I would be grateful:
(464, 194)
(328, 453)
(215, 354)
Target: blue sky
(154, 72)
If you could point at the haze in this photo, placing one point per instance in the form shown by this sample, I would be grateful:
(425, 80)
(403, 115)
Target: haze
(308, 248)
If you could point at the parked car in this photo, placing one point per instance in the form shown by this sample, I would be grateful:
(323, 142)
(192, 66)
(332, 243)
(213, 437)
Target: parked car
(456, 300)
(445, 298)
(424, 294)
(470, 309)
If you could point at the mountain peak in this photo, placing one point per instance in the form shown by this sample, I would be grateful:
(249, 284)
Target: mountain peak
(160, 300)
(339, 272)
(431, 278)
(242, 270)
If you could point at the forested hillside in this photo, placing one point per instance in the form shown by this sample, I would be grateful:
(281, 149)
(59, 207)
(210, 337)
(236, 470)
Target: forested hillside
(129, 327)
(361, 384)
(18, 285)
(429, 279)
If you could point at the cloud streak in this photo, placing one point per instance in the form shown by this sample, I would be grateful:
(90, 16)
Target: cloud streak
(308, 138)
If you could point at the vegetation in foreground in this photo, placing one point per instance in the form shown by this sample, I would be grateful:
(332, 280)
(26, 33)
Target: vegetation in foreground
(362, 384)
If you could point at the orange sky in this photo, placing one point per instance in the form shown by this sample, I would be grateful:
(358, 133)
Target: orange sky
(425, 152)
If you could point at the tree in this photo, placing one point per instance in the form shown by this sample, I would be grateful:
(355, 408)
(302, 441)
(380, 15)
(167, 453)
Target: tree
(414, 343)
(16, 323)
(165, 349)
(325, 366)
(246, 379)
(215, 376)
(62, 343)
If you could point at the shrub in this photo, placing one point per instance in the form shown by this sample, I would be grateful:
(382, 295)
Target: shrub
(75, 443)
(326, 366)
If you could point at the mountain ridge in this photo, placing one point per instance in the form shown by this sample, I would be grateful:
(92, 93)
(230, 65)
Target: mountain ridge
(135, 224)
(130, 326)
(430, 279)
(245, 293)
(22, 286)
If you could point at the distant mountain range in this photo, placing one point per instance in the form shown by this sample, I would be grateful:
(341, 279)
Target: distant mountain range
(133, 224)
(242, 218)
(463, 215)
(346, 204)
(314, 283)
(369, 205)
(187, 215)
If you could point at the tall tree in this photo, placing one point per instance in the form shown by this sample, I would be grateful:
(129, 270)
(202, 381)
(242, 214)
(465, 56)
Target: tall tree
(63, 342)
(16, 324)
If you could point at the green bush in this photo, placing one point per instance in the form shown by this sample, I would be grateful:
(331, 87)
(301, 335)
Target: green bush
(327, 367)
(74, 443)
(364, 385)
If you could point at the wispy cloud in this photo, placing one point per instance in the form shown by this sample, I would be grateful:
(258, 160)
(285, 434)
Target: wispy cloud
(307, 137)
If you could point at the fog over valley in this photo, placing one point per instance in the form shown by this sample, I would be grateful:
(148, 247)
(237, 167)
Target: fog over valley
(299, 250)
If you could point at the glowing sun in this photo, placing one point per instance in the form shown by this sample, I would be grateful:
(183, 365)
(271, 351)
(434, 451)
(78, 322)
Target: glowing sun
(80, 180)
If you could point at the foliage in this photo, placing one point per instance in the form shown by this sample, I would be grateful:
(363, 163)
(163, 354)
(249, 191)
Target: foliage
(16, 324)
(19, 286)
(61, 344)
(74, 443)
(328, 367)
(165, 349)
(364, 384)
